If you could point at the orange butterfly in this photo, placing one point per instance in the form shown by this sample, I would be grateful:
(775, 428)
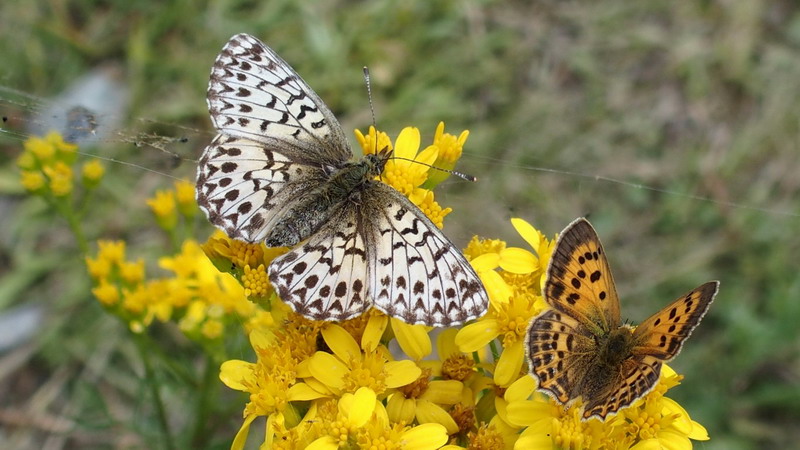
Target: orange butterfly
(580, 348)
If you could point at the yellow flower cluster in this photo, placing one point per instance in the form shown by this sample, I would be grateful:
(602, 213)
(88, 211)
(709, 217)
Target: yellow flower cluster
(409, 170)
(168, 205)
(198, 297)
(46, 166)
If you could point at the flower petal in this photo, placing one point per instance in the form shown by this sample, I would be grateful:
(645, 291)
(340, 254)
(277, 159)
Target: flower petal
(509, 364)
(486, 261)
(407, 144)
(531, 235)
(518, 260)
(413, 339)
(446, 343)
(340, 342)
(324, 443)
(475, 336)
(241, 435)
(520, 389)
(497, 288)
(401, 409)
(445, 392)
(361, 408)
(429, 412)
(302, 392)
(401, 373)
(237, 374)
(376, 325)
(428, 436)
(328, 369)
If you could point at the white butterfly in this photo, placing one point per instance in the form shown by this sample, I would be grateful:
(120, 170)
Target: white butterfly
(281, 171)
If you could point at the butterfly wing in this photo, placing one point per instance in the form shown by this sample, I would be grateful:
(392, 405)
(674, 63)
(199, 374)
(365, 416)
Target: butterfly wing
(637, 376)
(255, 94)
(325, 278)
(559, 349)
(244, 187)
(277, 139)
(419, 276)
(662, 335)
(579, 281)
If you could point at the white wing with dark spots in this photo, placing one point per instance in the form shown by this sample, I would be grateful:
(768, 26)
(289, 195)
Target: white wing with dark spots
(325, 278)
(417, 274)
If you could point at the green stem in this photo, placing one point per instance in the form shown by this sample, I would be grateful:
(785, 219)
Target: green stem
(152, 384)
(493, 347)
(208, 388)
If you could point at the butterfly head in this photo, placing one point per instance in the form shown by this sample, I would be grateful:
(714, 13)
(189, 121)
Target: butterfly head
(377, 161)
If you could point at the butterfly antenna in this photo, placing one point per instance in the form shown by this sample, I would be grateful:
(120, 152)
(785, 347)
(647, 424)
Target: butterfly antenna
(369, 97)
(462, 175)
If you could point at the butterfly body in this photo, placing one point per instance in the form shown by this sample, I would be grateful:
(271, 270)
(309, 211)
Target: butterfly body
(580, 349)
(281, 171)
(321, 203)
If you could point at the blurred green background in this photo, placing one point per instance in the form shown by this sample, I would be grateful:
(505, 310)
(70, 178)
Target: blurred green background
(693, 106)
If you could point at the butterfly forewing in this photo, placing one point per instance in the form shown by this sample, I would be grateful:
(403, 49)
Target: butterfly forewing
(255, 94)
(244, 186)
(662, 335)
(579, 280)
(419, 275)
(281, 171)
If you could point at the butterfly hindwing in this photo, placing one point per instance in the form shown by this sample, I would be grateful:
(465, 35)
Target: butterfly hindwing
(662, 335)
(325, 278)
(558, 348)
(419, 275)
(636, 378)
(579, 280)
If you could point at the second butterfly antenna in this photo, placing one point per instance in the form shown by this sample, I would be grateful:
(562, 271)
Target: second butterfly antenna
(461, 175)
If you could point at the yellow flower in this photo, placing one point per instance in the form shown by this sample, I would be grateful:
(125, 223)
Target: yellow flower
(92, 173)
(184, 193)
(450, 148)
(32, 181)
(111, 251)
(423, 198)
(60, 177)
(422, 399)
(270, 381)
(256, 282)
(66, 151)
(26, 160)
(132, 272)
(652, 422)
(508, 321)
(406, 169)
(106, 293)
(348, 369)
(374, 141)
(41, 149)
(163, 206)
(223, 251)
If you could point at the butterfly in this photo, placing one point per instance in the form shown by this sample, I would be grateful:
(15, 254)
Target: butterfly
(281, 171)
(580, 348)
